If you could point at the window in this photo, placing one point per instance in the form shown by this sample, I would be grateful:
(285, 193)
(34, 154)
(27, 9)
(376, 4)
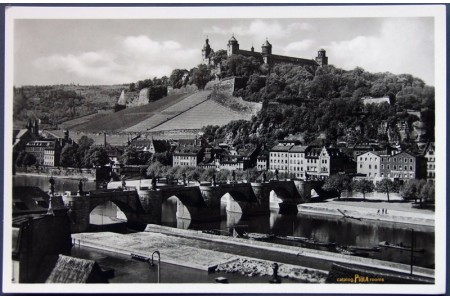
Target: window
(370, 167)
(360, 165)
(395, 159)
(410, 168)
(375, 167)
(406, 160)
(395, 167)
(382, 166)
(410, 160)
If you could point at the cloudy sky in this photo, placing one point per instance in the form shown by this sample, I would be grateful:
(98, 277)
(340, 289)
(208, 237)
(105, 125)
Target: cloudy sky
(123, 51)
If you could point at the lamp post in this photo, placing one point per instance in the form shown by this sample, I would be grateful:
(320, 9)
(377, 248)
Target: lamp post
(412, 249)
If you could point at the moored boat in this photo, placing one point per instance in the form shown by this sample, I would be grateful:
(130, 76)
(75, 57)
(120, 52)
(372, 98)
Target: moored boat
(306, 241)
(258, 236)
(364, 249)
(400, 246)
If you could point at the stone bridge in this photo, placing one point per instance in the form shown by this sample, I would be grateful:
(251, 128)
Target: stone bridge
(195, 203)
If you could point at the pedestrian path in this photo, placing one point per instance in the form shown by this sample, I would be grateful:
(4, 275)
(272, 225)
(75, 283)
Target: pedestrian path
(390, 212)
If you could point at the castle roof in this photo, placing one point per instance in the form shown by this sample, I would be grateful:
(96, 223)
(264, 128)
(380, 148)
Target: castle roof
(293, 59)
(250, 53)
(266, 44)
(232, 39)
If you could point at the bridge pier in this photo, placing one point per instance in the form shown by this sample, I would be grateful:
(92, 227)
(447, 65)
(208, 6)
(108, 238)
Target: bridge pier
(78, 213)
(304, 189)
(256, 203)
(151, 202)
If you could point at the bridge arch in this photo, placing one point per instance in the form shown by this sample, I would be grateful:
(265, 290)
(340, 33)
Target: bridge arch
(184, 204)
(127, 210)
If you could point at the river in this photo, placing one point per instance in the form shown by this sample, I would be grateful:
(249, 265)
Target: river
(333, 229)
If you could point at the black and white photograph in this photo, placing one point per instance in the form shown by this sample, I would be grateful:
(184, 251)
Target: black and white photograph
(269, 149)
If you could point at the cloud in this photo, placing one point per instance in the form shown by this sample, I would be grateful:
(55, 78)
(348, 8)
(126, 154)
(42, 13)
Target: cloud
(400, 46)
(298, 46)
(259, 30)
(134, 58)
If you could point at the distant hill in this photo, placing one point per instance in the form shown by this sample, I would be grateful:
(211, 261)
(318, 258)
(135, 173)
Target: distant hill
(60, 103)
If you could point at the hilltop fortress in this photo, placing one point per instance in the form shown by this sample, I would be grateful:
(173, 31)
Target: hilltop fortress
(265, 56)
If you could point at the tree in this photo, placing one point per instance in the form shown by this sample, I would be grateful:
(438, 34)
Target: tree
(387, 186)
(338, 183)
(97, 156)
(194, 174)
(155, 170)
(427, 193)
(363, 186)
(19, 159)
(177, 78)
(207, 174)
(411, 189)
(84, 144)
(29, 160)
(200, 76)
(70, 156)
(130, 156)
(164, 158)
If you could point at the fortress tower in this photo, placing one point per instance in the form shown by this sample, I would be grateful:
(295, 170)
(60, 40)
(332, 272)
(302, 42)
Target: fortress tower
(266, 51)
(206, 53)
(322, 58)
(233, 46)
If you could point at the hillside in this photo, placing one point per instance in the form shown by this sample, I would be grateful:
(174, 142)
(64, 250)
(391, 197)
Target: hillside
(170, 112)
(59, 103)
(209, 112)
(128, 117)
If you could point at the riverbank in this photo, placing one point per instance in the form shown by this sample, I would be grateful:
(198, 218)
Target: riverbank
(205, 251)
(45, 175)
(397, 212)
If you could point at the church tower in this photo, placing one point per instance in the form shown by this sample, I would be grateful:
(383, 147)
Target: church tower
(322, 58)
(266, 51)
(233, 46)
(206, 52)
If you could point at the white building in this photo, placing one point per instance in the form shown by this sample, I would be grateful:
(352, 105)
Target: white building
(297, 161)
(279, 157)
(369, 164)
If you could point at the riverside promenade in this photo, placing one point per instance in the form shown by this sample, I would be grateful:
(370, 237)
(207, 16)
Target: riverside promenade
(396, 211)
(206, 252)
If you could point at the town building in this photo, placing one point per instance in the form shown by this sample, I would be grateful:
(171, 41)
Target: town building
(46, 152)
(297, 161)
(402, 166)
(262, 161)
(279, 157)
(188, 156)
(369, 164)
(323, 162)
(151, 146)
(429, 154)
